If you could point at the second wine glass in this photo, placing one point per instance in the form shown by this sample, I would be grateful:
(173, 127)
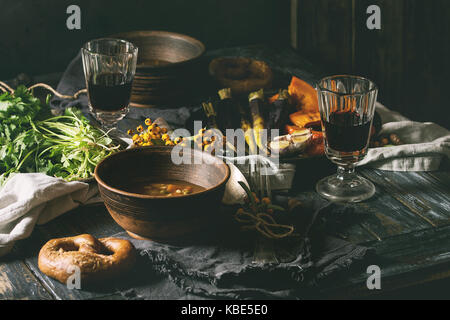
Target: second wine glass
(347, 107)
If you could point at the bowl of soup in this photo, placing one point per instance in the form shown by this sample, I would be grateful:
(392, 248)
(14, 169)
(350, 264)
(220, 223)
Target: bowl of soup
(158, 194)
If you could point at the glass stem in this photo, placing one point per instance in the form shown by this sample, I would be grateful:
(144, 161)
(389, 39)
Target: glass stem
(345, 172)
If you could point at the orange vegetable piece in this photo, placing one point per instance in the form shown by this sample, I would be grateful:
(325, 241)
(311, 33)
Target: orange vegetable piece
(273, 98)
(171, 188)
(304, 95)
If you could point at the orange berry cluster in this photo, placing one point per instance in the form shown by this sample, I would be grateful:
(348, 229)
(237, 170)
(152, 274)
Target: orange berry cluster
(205, 140)
(152, 135)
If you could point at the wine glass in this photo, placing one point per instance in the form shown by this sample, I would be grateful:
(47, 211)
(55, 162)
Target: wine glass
(347, 107)
(109, 68)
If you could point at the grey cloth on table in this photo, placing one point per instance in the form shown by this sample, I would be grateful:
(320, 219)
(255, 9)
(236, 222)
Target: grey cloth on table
(226, 268)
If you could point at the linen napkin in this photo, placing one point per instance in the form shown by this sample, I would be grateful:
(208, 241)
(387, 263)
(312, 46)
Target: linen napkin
(28, 199)
(425, 145)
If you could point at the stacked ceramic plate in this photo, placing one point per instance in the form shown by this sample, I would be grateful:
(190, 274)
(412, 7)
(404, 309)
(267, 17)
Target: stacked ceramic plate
(168, 64)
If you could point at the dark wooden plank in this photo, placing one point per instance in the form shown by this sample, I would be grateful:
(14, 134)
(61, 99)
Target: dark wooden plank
(379, 53)
(382, 216)
(417, 195)
(407, 58)
(426, 64)
(405, 260)
(347, 226)
(438, 184)
(17, 282)
(441, 178)
(89, 219)
(325, 33)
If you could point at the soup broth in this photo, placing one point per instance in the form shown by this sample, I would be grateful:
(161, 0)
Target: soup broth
(172, 188)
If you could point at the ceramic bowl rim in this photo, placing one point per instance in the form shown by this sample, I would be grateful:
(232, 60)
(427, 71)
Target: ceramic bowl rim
(167, 34)
(103, 184)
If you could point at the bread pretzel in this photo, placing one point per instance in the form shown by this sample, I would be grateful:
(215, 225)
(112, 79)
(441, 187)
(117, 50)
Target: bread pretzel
(242, 75)
(97, 260)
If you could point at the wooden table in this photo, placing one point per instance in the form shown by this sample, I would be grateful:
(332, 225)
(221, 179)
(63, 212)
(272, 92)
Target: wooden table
(407, 222)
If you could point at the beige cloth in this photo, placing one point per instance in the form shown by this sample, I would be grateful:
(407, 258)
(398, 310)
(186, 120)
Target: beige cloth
(28, 199)
(425, 145)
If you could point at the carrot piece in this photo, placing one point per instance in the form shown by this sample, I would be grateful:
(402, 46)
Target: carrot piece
(171, 188)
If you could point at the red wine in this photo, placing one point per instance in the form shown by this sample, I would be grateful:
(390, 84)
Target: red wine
(347, 131)
(109, 92)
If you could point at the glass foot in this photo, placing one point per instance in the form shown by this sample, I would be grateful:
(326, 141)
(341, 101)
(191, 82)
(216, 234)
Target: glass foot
(347, 188)
(109, 120)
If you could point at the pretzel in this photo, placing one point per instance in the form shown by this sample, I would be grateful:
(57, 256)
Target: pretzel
(242, 75)
(97, 260)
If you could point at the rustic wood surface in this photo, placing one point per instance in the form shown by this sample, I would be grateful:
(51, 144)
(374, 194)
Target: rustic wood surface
(407, 58)
(407, 222)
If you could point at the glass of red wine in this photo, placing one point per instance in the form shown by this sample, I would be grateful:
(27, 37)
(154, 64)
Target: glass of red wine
(109, 69)
(347, 107)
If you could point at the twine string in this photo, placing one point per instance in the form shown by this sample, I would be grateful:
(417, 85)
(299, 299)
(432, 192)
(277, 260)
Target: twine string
(265, 224)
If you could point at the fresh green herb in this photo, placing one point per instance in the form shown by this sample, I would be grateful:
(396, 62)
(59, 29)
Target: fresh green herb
(32, 140)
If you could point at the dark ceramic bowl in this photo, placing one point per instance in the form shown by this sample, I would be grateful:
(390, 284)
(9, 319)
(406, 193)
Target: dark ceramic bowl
(166, 67)
(163, 219)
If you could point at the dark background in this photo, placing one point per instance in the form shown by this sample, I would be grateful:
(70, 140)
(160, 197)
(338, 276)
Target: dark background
(408, 58)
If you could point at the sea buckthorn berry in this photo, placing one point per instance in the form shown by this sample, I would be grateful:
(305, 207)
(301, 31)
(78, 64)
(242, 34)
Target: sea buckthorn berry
(164, 130)
(136, 137)
(140, 128)
(130, 132)
(265, 200)
(178, 140)
(146, 136)
(148, 121)
(165, 137)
